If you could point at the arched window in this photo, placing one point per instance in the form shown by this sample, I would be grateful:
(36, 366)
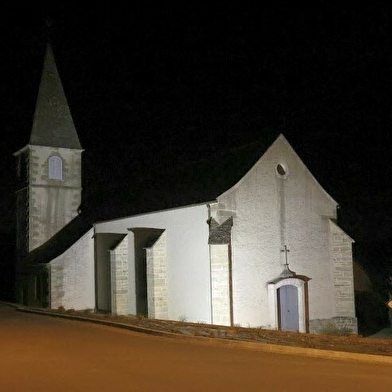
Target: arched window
(55, 168)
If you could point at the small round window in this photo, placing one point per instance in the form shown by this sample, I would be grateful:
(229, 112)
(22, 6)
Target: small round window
(281, 170)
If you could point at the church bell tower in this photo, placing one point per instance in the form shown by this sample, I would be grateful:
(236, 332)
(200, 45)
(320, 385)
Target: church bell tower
(49, 171)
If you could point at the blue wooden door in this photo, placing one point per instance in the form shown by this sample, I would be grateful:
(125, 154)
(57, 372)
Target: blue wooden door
(288, 308)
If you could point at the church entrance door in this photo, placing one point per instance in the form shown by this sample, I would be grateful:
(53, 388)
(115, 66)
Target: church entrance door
(288, 308)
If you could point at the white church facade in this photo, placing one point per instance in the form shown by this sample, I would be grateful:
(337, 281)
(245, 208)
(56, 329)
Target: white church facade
(264, 252)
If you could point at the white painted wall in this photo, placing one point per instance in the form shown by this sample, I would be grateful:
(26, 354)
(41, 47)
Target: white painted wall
(188, 265)
(256, 235)
(72, 276)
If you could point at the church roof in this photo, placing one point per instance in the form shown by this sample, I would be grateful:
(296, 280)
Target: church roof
(60, 242)
(52, 125)
(182, 185)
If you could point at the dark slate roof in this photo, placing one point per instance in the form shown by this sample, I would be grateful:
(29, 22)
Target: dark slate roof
(61, 241)
(171, 187)
(52, 125)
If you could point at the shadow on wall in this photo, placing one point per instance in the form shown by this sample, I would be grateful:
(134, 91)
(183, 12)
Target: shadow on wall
(7, 267)
(372, 312)
(370, 304)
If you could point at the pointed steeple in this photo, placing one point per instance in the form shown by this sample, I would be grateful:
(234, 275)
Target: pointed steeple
(52, 125)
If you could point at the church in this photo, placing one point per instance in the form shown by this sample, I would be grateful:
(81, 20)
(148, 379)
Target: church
(249, 238)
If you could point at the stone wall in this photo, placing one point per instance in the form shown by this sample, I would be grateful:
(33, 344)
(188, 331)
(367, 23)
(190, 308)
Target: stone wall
(56, 285)
(343, 286)
(335, 326)
(220, 291)
(343, 274)
(119, 278)
(72, 276)
(52, 203)
(157, 284)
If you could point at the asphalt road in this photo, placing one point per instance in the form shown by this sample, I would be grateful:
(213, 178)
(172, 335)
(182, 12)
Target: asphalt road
(41, 353)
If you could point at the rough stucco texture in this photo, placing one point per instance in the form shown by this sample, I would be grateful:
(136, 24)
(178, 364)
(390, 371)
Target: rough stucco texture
(261, 229)
(72, 276)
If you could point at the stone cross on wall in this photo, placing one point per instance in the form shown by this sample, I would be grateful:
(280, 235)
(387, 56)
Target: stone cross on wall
(286, 250)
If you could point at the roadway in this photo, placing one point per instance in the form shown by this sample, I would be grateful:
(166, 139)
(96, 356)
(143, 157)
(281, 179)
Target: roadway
(40, 353)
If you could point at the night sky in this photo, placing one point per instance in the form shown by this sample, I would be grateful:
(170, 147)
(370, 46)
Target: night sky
(158, 84)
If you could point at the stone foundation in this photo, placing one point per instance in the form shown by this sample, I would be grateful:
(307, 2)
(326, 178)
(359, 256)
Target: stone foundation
(334, 325)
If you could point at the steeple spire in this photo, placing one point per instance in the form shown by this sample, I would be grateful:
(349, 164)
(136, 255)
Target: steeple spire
(52, 125)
